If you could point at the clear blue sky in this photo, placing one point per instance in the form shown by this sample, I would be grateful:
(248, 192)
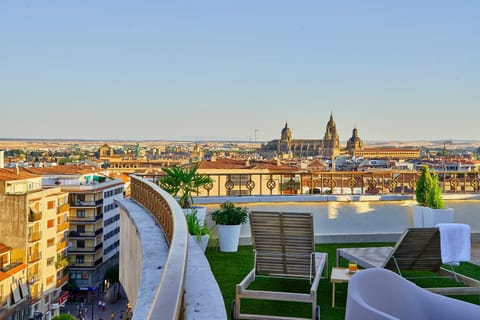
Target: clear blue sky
(112, 69)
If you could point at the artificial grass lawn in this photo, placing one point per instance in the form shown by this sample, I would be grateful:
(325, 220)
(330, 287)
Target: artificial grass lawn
(230, 268)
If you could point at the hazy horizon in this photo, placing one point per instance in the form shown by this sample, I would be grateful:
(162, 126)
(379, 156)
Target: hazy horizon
(434, 141)
(216, 70)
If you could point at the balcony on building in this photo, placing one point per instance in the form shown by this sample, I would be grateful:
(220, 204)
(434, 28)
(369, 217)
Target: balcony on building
(9, 266)
(74, 234)
(62, 280)
(33, 277)
(62, 245)
(34, 216)
(64, 208)
(81, 200)
(63, 226)
(85, 249)
(85, 260)
(62, 262)
(34, 236)
(34, 257)
(86, 215)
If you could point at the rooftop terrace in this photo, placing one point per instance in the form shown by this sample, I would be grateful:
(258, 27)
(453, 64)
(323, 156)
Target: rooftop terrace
(177, 279)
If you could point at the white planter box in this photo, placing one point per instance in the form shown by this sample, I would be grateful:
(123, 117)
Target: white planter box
(228, 237)
(427, 217)
(200, 212)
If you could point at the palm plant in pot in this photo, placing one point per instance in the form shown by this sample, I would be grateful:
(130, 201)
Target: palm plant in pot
(199, 231)
(182, 183)
(229, 219)
(430, 209)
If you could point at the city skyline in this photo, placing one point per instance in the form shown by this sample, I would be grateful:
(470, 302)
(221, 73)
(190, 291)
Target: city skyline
(213, 70)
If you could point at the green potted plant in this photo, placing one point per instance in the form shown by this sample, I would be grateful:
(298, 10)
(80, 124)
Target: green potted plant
(182, 183)
(229, 219)
(430, 209)
(200, 232)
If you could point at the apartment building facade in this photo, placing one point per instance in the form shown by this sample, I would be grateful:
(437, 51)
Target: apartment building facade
(94, 233)
(14, 296)
(34, 223)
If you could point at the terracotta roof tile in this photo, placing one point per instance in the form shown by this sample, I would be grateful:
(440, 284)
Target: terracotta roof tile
(64, 170)
(4, 248)
(225, 164)
(11, 174)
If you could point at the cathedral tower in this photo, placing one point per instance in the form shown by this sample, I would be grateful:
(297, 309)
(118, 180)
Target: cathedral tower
(331, 142)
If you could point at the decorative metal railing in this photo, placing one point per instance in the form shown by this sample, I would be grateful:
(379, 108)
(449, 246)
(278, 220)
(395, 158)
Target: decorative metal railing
(64, 208)
(372, 182)
(168, 302)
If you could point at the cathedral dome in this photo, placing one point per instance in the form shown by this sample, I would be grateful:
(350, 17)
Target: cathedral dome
(286, 133)
(354, 143)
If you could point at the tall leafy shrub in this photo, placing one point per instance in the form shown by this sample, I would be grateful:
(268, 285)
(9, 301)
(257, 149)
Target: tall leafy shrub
(434, 197)
(423, 186)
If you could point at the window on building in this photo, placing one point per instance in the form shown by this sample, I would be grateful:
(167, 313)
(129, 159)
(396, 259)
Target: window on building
(81, 228)
(80, 243)
(50, 242)
(50, 261)
(50, 280)
(80, 213)
(50, 223)
(51, 204)
(80, 259)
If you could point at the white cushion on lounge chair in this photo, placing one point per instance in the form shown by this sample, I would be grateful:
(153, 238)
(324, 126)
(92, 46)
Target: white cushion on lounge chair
(379, 293)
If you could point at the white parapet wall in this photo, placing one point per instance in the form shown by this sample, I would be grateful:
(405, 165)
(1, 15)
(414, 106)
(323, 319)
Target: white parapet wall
(350, 218)
(143, 253)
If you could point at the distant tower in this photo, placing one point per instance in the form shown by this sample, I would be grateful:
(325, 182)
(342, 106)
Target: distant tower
(331, 141)
(137, 150)
(285, 143)
(355, 144)
(196, 155)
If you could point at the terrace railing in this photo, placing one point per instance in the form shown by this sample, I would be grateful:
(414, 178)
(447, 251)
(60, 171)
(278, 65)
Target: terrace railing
(340, 182)
(169, 297)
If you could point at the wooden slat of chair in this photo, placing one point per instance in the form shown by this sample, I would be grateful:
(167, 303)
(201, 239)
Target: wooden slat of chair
(288, 234)
(417, 249)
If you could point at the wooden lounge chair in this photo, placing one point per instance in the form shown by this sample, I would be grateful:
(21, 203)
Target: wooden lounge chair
(418, 249)
(284, 246)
